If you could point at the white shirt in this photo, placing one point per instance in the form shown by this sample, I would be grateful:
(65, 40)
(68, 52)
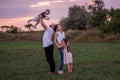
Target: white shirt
(47, 37)
(61, 36)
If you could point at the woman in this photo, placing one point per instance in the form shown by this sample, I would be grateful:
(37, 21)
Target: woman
(58, 39)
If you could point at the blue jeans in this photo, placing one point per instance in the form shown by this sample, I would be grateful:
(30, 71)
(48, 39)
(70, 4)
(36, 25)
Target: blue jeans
(61, 51)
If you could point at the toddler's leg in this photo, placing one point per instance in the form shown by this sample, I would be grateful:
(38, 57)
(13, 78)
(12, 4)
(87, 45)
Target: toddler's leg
(29, 21)
(36, 24)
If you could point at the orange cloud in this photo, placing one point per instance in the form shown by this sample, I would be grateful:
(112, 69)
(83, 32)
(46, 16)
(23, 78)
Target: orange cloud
(14, 21)
(46, 3)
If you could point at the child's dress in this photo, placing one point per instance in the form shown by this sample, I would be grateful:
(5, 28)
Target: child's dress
(67, 57)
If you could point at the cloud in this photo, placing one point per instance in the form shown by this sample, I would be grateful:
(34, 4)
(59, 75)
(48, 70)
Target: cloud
(72, 0)
(58, 1)
(46, 3)
(12, 21)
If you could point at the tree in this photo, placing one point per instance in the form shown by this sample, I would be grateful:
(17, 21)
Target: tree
(5, 28)
(77, 18)
(11, 29)
(112, 26)
(96, 5)
(98, 18)
(28, 26)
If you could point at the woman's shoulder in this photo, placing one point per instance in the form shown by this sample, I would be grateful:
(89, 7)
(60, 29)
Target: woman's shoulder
(56, 33)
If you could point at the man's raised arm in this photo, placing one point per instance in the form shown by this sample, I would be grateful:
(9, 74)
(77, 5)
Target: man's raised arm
(42, 23)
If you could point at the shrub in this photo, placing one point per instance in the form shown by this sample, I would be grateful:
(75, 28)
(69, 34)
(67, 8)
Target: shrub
(87, 35)
(24, 36)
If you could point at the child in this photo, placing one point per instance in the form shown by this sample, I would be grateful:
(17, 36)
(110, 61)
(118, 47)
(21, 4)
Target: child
(37, 18)
(68, 56)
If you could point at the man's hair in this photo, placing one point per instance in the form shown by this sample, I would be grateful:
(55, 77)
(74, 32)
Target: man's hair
(55, 27)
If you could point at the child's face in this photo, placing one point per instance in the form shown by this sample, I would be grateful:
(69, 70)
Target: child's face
(47, 12)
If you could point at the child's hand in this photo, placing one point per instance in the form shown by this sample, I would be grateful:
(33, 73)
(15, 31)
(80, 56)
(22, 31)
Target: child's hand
(47, 18)
(58, 46)
(61, 45)
(40, 16)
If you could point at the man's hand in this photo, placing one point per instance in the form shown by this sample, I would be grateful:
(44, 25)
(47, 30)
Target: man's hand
(47, 18)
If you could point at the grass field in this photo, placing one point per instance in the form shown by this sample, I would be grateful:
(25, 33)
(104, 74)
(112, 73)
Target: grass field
(92, 61)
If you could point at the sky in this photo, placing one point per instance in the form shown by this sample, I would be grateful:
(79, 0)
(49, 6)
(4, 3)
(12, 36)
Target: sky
(18, 12)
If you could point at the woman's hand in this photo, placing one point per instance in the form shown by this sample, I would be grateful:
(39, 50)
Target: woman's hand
(62, 44)
(59, 45)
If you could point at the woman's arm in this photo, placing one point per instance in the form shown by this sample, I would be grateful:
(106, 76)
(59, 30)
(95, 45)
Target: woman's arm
(55, 40)
(62, 43)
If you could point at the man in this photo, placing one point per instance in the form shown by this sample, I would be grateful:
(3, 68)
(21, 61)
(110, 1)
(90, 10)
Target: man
(48, 44)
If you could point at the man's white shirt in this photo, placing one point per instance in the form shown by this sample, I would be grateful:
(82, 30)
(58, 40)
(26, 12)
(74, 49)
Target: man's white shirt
(47, 37)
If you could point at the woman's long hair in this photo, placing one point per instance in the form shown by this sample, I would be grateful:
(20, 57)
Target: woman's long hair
(66, 43)
(55, 27)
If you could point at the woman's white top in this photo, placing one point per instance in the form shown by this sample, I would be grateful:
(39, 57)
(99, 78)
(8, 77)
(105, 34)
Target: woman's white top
(61, 36)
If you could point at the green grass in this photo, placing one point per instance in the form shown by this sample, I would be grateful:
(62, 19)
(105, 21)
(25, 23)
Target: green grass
(92, 61)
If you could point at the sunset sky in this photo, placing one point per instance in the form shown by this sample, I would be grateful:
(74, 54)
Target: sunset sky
(18, 12)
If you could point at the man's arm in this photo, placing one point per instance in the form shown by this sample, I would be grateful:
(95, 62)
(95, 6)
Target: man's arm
(42, 23)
